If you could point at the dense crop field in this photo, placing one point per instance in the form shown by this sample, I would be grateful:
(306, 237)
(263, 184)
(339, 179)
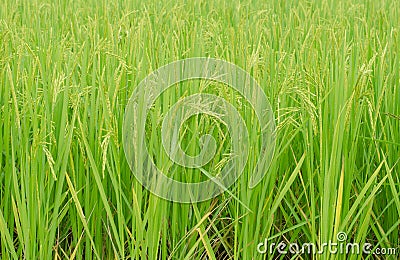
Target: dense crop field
(330, 70)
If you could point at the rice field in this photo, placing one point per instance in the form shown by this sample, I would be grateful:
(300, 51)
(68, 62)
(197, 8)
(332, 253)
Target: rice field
(329, 69)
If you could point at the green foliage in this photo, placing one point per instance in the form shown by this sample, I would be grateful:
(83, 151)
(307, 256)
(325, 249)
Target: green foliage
(67, 69)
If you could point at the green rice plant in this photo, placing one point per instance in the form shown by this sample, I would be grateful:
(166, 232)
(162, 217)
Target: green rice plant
(330, 69)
